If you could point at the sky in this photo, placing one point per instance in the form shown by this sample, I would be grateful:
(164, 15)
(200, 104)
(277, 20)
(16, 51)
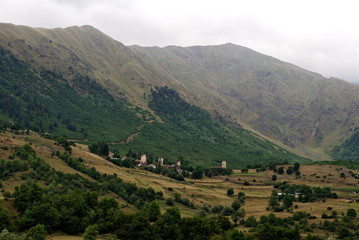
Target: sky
(318, 35)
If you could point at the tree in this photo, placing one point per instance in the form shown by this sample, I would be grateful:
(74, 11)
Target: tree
(241, 195)
(4, 218)
(99, 148)
(37, 233)
(6, 235)
(197, 174)
(287, 201)
(281, 170)
(296, 166)
(237, 215)
(289, 170)
(167, 226)
(344, 233)
(251, 222)
(274, 178)
(351, 213)
(230, 192)
(236, 204)
(90, 233)
(170, 201)
(26, 195)
(153, 211)
(273, 200)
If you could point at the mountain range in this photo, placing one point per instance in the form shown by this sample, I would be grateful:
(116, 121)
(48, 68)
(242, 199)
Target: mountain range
(204, 102)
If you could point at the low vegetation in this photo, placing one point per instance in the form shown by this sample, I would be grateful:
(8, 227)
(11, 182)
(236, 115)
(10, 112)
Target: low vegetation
(98, 202)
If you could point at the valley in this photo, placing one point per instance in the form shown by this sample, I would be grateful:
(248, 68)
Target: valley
(203, 193)
(99, 140)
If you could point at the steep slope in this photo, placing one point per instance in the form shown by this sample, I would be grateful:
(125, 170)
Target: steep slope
(44, 101)
(278, 99)
(84, 51)
(190, 132)
(299, 108)
(47, 100)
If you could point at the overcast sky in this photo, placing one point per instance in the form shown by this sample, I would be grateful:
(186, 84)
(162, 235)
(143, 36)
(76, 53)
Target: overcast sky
(319, 35)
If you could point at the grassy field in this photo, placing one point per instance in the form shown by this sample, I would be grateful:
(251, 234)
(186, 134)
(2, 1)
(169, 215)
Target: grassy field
(210, 191)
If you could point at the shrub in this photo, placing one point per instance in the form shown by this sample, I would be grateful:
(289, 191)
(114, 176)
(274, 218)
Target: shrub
(217, 209)
(227, 211)
(38, 232)
(351, 213)
(230, 192)
(90, 233)
(170, 201)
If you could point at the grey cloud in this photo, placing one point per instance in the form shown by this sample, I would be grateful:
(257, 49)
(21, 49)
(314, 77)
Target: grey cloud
(299, 32)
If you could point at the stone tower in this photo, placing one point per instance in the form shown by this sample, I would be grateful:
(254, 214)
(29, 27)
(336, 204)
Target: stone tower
(143, 160)
(224, 164)
(160, 161)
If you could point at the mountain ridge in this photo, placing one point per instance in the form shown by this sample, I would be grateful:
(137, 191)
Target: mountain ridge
(280, 100)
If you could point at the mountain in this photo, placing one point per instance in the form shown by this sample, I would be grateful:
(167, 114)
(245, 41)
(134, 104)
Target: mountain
(276, 98)
(49, 87)
(236, 87)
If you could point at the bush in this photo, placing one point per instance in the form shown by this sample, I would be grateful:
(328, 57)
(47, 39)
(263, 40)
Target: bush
(236, 204)
(90, 233)
(241, 195)
(227, 211)
(37, 233)
(251, 222)
(6, 235)
(351, 213)
(170, 201)
(217, 209)
(230, 192)
(246, 183)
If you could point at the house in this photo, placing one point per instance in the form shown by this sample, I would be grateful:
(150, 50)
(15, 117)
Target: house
(152, 165)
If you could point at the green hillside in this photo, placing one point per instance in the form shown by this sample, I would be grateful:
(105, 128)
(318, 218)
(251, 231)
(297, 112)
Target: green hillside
(349, 150)
(189, 131)
(44, 101)
(47, 103)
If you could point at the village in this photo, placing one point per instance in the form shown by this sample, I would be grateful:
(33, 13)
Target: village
(177, 166)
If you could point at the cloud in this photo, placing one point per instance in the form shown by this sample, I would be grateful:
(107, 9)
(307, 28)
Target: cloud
(319, 35)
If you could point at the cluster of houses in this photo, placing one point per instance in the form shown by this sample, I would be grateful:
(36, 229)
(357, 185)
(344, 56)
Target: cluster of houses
(177, 165)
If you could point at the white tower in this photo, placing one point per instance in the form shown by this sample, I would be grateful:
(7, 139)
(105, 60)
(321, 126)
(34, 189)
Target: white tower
(143, 160)
(224, 164)
(160, 161)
